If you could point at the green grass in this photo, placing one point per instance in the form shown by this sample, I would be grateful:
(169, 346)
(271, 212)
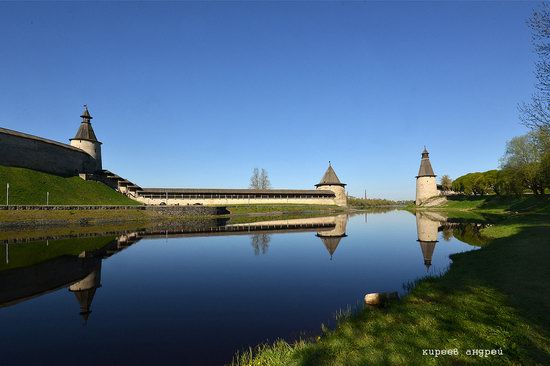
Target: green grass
(74, 216)
(497, 297)
(29, 187)
(526, 203)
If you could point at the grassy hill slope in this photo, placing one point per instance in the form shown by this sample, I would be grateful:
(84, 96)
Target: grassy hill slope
(29, 187)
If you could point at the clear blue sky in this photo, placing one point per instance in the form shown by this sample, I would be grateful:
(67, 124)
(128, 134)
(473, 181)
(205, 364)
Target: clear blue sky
(198, 94)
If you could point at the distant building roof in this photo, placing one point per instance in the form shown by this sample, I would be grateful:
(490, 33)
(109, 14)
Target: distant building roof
(426, 169)
(330, 178)
(244, 191)
(85, 131)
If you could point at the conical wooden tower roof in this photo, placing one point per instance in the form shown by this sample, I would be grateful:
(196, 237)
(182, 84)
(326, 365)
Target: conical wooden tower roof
(85, 131)
(426, 169)
(330, 178)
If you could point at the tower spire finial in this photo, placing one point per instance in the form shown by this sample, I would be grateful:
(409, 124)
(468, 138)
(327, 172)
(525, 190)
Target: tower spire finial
(86, 117)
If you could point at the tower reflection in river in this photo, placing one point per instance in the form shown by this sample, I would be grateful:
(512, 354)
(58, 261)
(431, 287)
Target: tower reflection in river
(427, 228)
(331, 238)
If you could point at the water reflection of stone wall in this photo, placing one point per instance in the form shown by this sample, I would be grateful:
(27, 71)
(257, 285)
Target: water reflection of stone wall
(20, 284)
(81, 273)
(330, 229)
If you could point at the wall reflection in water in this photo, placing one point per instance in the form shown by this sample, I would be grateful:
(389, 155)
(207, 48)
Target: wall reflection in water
(329, 229)
(30, 269)
(80, 273)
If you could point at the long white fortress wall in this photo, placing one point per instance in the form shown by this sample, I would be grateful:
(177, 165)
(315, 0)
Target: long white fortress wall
(27, 151)
(237, 201)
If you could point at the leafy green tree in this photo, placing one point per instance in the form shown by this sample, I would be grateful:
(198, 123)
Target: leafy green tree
(465, 184)
(501, 182)
(491, 177)
(523, 160)
(480, 184)
(508, 183)
(446, 183)
(545, 169)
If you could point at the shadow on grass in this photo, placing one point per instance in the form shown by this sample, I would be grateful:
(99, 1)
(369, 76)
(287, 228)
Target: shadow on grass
(527, 203)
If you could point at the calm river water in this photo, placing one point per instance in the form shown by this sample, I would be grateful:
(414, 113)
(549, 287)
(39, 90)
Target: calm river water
(198, 297)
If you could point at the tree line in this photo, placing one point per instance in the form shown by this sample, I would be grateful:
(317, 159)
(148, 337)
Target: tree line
(525, 166)
(374, 202)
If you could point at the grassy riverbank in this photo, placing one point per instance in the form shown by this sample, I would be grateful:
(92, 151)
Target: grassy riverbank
(73, 217)
(499, 204)
(29, 187)
(244, 213)
(496, 297)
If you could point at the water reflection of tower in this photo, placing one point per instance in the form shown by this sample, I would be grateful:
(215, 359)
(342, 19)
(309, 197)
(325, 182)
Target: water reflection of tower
(427, 229)
(331, 239)
(84, 290)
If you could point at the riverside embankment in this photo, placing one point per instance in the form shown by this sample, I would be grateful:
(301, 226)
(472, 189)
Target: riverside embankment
(496, 299)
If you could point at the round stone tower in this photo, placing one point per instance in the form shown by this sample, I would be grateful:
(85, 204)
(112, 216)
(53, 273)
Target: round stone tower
(426, 186)
(86, 140)
(331, 182)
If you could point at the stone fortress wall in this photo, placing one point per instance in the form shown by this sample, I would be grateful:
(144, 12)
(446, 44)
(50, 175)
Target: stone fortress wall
(237, 201)
(83, 157)
(27, 151)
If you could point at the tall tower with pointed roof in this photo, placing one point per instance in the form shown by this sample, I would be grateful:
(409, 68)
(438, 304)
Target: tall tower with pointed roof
(86, 140)
(331, 182)
(426, 185)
